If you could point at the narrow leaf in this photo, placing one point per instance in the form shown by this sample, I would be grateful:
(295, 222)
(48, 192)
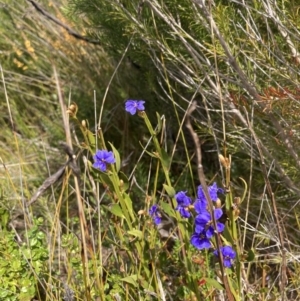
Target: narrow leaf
(117, 157)
(128, 203)
(125, 183)
(116, 210)
(250, 255)
(165, 159)
(136, 233)
(214, 283)
(105, 179)
(170, 190)
(167, 208)
(131, 280)
(159, 123)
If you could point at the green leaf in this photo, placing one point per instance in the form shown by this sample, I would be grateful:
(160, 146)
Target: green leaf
(168, 209)
(131, 280)
(4, 218)
(90, 138)
(117, 157)
(128, 203)
(124, 178)
(228, 235)
(170, 190)
(105, 179)
(245, 189)
(165, 158)
(250, 255)
(16, 265)
(214, 283)
(145, 284)
(136, 233)
(33, 242)
(116, 210)
(4, 294)
(159, 123)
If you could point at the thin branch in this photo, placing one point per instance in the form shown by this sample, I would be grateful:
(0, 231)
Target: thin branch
(207, 196)
(67, 28)
(85, 236)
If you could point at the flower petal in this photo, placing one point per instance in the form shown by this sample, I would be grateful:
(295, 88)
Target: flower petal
(109, 157)
(200, 206)
(220, 227)
(140, 105)
(213, 190)
(218, 213)
(182, 199)
(203, 218)
(200, 243)
(132, 106)
(183, 212)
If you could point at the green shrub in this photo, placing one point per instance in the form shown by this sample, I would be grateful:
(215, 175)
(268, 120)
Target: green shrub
(23, 261)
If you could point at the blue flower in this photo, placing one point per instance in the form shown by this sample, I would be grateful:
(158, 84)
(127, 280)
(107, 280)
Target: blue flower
(228, 255)
(102, 158)
(183, 202)
(201, 240)
(203, 221)
(213, 191)
(154, 213)
(201, 203)
(132, 106)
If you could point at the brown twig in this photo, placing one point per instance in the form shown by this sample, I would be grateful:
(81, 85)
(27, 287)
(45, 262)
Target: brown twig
(85, 236)
(67, 28)
(71, 163)
(47, 183)
(207, 196)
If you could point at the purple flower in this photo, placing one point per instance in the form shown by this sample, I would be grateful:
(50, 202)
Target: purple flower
(102, 158)
(183, 202)
(154, 213)
(228, 255)
(201, 203)
(213, 191)
(203, 221)
(201, 240)
(132, 106)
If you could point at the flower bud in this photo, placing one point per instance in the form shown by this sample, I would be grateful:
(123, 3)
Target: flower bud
(141, 212)
(218, 203)
(224, 161)
(83, 124)
(72, 110)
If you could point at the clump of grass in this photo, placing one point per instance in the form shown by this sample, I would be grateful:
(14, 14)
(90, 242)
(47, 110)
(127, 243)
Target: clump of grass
(31, 44)
(101, 240)
(104, 243)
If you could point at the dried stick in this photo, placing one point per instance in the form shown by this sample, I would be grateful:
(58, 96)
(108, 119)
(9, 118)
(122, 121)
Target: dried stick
(207, 196)
(85, 236)
(56, 21)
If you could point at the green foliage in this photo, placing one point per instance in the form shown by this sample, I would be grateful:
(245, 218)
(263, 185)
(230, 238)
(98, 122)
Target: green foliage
(238, 60)
(22, 265)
